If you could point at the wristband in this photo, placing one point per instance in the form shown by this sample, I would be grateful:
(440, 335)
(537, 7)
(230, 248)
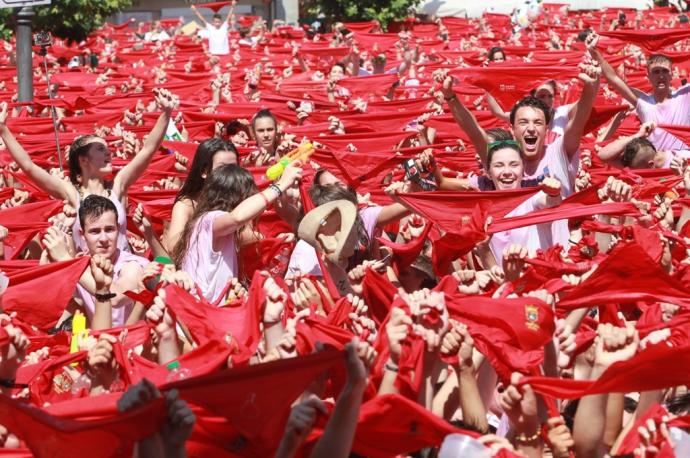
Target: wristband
(452, 97)
(391, 367)
(276, 189)
(104, 297)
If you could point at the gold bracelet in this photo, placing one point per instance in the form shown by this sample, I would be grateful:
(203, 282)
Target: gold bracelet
(522, 439)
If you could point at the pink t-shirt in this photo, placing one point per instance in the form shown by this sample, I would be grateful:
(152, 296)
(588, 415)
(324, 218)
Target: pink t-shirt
(554, 162)
(304, 258)
(211, 270)
(674, 111)
(535, 237)
(122, 311)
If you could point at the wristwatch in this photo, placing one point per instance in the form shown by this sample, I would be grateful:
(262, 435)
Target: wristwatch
(104, 297)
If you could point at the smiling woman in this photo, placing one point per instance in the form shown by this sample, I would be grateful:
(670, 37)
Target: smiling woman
(90, 166)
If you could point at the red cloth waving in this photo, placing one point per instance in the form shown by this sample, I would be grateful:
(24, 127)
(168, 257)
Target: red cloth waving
(508, 84)
(445, 208)
(53, 437)
(40, 294)
(256, 399)
(628, 274)
(655, 368)
(215, 6)
(649, 40)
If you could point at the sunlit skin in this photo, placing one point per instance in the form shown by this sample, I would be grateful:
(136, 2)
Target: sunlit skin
(545, 94)
(529, 130)
(337, 73)
(660, 76)
(326, 178)
(506, 169)
(98, 161)
(100, 234)
(265, 132)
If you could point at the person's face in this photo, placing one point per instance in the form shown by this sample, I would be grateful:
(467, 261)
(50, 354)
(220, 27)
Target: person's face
(659, 75)
(328, 179)
(100, 234)
(265, 133)
(545, 94)
(222, 158)
(217, 22)
(530, 130)
(499, 57)
(98, 161)
(411, 279)
(506, 169)
(337, 73)
(157, 26)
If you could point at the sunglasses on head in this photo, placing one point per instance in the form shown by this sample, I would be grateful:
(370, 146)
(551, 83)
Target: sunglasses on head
(501, 143)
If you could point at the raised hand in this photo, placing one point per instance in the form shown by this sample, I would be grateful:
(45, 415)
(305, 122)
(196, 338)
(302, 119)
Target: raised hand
(458, 341)
(614, 344)
(275, 301)
(397, 329)
(166, 100)
(102, 271)
(520, 404)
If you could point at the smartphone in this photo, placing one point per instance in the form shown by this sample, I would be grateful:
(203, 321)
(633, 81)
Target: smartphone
(425, 179)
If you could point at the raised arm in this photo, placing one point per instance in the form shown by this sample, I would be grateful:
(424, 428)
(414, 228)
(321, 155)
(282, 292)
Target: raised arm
(251, 207)
(613, 152)
(51, 184)
(167, 102)
(609, 72)
(198, 14)
(496, 109)
(231, 11)
(576, 125)
(465, 119)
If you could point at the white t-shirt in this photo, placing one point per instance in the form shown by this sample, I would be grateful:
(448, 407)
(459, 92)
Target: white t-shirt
(211, 270)
(674, 110)
(218, 39)
(535, 237)
(556, 163)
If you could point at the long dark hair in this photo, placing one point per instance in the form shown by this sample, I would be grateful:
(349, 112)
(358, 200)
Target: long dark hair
(224, 189)
(79, 148)
(322, 194)
(202, 165)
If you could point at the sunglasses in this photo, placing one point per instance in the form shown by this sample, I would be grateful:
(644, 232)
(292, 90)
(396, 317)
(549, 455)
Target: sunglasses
(501, 143)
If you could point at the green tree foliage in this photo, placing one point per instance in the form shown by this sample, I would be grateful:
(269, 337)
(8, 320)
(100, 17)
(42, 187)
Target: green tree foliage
(360, 10)
(73, 20)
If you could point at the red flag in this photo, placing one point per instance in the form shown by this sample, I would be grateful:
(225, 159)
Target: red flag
(445, 208)
(52, 437)
(649, 40)
(628, 274)
(40, 294)
(508, 83)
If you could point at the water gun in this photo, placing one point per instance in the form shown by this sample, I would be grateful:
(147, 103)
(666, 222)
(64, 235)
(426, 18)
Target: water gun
(78, 328)
(301, 153)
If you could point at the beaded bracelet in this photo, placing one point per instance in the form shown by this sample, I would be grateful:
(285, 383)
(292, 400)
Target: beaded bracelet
(522, 439)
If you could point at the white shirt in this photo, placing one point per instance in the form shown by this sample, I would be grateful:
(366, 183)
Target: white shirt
(218, 39)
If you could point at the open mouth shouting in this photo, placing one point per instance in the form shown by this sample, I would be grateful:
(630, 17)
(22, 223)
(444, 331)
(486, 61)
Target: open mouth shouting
(530, 142)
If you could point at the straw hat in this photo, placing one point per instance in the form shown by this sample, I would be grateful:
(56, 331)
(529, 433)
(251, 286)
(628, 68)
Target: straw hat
(337, 246)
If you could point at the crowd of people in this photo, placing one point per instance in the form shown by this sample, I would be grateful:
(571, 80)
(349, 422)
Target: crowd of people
(457, 238)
